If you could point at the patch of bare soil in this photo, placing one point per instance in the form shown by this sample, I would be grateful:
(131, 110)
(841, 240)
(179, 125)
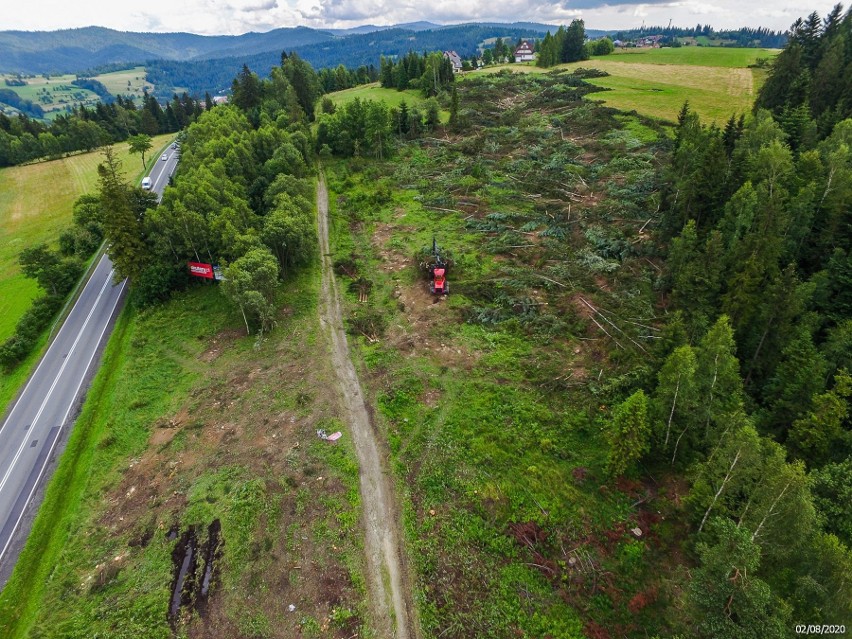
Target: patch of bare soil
(424, 313)
(237, 421)
(388, 582)
(218, 344)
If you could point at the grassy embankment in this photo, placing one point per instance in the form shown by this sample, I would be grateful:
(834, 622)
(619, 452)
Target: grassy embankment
(189, 421)
(656, 82)
(36, 203)
(494, 398)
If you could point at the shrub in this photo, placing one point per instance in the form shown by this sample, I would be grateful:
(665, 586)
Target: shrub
(155, 284)
(31, 324)
(369, 322)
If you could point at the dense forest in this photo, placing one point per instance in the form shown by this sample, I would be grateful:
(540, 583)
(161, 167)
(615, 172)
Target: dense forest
(751, 397)
(431, 73)
(810, 87)
(566, 45)
(746, 37)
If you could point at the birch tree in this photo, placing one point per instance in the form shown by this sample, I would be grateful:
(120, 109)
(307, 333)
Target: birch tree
(250, 283)
(729, 470)
(725, 598)
(719, 385)
(674, 398)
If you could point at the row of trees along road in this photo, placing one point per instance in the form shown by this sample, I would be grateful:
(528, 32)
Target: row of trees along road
(23, 139)
(56, 271)
(751, 396)
(242, 198)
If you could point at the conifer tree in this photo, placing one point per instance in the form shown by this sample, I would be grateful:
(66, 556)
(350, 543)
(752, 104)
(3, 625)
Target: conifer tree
(628, 433)
(574, 44)
(122, 226)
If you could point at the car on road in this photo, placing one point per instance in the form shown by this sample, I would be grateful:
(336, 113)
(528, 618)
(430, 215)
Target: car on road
(165, 157)
(146, 183)
(174, 145)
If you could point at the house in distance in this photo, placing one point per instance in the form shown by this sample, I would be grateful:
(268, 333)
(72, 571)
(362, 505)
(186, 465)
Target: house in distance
(455, 60)
(524, 52)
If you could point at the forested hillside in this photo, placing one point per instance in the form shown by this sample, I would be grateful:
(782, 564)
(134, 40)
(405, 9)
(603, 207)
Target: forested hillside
(352, 51)
(49, 51)
(810, 87)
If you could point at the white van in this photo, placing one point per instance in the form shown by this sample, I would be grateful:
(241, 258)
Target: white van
(146, 183)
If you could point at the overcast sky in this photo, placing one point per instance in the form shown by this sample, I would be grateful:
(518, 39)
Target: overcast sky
(240, 16)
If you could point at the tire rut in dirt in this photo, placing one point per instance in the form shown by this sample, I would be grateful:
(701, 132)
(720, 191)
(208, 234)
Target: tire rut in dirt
(389, 588)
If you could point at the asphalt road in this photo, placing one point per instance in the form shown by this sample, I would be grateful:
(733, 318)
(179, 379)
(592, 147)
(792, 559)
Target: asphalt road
(37, 422)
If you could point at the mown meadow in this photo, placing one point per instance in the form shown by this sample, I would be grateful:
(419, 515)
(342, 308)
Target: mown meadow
(656, 82)
(128, 82)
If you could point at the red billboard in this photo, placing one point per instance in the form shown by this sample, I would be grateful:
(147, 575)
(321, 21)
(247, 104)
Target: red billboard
(199, 269)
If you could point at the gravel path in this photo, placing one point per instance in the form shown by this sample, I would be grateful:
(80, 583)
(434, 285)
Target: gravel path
(389, 589)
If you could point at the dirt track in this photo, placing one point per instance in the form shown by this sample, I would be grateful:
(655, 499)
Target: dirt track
(389, 589)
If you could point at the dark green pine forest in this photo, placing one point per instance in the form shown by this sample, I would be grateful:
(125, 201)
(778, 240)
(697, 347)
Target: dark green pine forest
(751, 396)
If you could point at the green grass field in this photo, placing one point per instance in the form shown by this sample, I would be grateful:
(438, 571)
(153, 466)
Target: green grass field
(392, 97)
(656, 82)
(374, 92)
(55, 94)
(128, 82)
(660, 90)
(697, 56)
(36, 202)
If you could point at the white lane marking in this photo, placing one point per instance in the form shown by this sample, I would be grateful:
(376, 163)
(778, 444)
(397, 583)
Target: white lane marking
(59, 432)
(162, 175)
(55, 382)
(43, 360)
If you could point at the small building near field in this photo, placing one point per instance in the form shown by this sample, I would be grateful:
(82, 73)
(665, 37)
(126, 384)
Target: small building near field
(524, 52)
(455, 60)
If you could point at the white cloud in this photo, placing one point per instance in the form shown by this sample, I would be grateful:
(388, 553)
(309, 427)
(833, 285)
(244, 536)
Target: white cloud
(240, 16)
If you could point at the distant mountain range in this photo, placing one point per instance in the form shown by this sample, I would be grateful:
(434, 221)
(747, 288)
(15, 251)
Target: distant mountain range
(352, 51)
(51, 51)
